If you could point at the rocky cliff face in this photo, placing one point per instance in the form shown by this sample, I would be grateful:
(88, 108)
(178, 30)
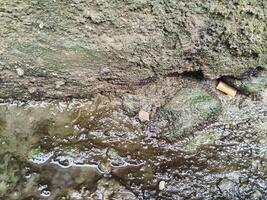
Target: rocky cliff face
(80, 47)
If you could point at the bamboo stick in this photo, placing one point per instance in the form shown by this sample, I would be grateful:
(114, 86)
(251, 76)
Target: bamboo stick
(227, 89)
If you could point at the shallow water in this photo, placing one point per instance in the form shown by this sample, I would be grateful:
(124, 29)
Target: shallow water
(73, 150)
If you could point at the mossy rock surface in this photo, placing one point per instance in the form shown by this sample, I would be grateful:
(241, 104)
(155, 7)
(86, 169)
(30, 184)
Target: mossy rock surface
(189, 108)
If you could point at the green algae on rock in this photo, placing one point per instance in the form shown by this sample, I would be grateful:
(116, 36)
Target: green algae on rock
(9, 170)
(189, 108)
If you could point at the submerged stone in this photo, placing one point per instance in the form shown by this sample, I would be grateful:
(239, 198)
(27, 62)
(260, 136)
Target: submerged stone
(189, 108)
(111, 189)
(203, 138)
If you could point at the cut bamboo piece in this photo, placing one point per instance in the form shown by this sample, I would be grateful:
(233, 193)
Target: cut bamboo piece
(227, 89)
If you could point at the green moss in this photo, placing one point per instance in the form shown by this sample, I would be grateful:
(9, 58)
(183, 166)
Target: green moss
(36, 152)
(40, 3)
(46, 56)
(2, 126)
(8, 179)
(201, 98)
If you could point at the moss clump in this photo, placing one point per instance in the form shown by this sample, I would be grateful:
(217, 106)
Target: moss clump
(8, 179)
(34, 153)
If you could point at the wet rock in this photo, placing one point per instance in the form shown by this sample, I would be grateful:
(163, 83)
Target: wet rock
(111, 189)
(189, 108)
(57, 139)
(66, 176)
(200, 139)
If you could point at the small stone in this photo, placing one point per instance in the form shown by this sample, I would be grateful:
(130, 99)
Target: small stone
(20, 72)
(143, 116)
(32, 90)
(104, 70)
(162, 185)
(157, 104)
(59, 84)
(189, 108)
(41, 25)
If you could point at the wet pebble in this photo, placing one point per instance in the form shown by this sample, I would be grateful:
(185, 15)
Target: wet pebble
(162, 185)
(32, 90)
